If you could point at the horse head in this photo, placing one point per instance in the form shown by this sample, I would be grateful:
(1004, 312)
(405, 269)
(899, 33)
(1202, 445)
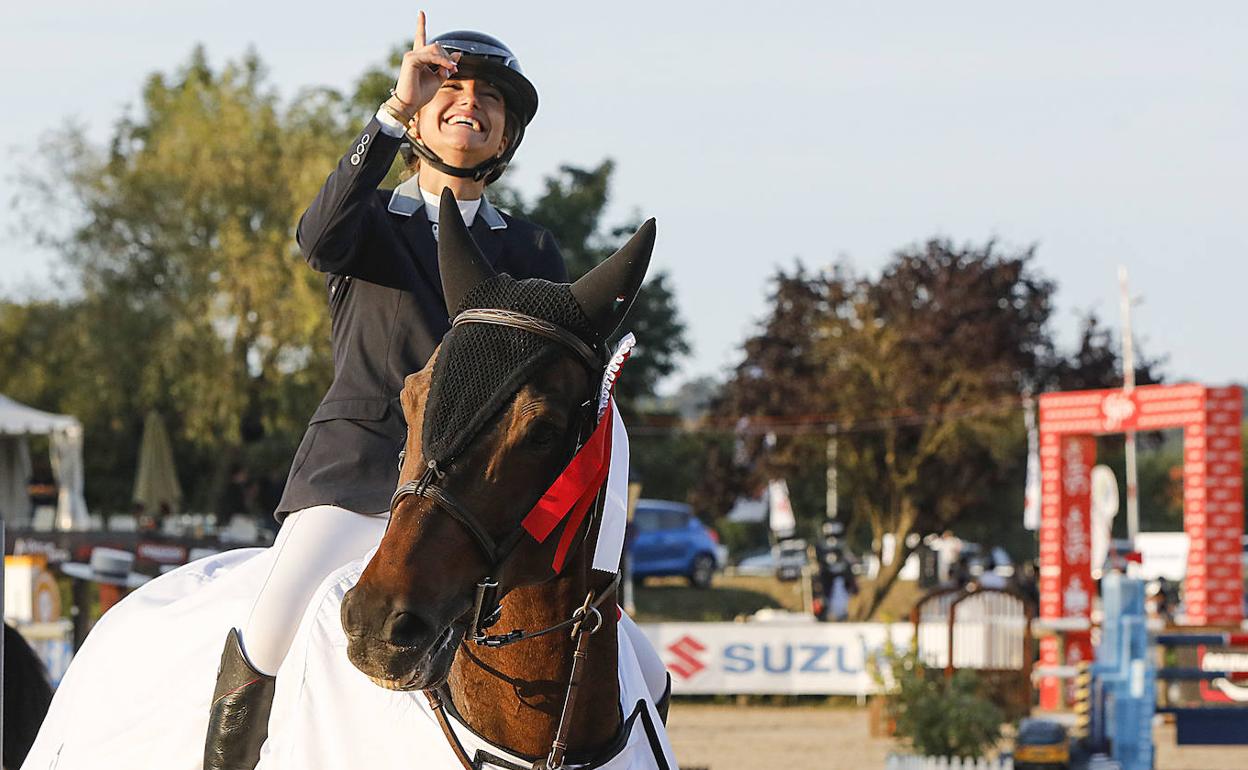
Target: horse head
(493, 419)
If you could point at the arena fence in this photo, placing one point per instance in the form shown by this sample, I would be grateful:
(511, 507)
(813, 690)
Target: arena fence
(984, 629)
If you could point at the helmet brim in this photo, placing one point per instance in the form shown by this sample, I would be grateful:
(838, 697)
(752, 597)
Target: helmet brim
(519, 95)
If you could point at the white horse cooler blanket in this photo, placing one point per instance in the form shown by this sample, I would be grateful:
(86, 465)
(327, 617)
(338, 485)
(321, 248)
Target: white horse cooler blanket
(137, 694)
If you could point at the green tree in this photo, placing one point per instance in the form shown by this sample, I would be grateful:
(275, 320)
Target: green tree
(188, 276)
(571, 206)
(919, 371)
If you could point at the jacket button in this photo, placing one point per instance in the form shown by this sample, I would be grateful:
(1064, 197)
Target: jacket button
(355, 159)
(360, 148)
(365, 139)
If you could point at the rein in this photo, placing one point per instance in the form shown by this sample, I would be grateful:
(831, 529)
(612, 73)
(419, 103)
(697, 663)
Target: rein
(486, 607)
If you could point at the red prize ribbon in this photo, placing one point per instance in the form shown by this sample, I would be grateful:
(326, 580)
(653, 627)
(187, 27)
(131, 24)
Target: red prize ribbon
(571, 495)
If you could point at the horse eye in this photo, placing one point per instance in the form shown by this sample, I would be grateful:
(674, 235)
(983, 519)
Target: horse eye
(544, 434)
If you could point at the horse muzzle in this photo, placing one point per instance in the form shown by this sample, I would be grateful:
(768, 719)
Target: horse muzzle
(397, 667)
(406, 650)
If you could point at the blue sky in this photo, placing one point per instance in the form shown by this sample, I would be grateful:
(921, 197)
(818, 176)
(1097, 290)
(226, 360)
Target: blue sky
(1106, 134)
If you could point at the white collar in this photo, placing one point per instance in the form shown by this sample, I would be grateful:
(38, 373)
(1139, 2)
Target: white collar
(408, 198)
(433, 208)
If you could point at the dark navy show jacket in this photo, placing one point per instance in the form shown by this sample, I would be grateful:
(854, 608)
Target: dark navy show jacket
(378, 251)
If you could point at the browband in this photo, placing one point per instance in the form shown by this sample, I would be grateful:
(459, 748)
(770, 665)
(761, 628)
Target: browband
(528, 323)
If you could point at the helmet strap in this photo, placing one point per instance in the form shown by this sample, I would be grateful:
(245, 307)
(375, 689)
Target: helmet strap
(476, 173)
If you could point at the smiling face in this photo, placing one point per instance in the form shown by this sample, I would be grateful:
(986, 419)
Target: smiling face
(465, 123)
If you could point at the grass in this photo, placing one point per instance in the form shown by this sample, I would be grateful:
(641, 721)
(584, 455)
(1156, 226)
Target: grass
(736, 596)
(729, 597)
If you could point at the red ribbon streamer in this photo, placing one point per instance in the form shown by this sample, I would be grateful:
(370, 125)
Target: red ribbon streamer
(582, 507)
(571, 495)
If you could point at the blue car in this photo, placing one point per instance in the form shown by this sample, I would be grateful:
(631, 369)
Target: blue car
(666, 538)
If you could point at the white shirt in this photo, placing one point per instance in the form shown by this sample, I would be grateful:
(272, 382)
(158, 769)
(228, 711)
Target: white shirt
(467, 209)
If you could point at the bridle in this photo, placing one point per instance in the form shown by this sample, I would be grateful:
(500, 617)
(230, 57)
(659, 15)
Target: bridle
(427, 485)
(581, 631)
(486, 606)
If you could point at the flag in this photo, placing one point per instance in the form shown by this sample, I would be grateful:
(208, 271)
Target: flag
(1031, 488)
(780, 514)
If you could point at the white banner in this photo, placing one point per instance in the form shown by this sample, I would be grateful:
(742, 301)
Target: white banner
(772, 658)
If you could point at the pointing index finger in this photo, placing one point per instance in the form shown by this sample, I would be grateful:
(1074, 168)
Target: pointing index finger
(420, 31)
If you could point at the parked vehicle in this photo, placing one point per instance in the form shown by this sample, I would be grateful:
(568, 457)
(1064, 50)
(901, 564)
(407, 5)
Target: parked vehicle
(1041, 744)
(784, 560)
(668, 539)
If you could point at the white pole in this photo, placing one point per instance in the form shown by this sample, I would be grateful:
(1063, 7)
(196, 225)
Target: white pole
(1128, 385)
(832, 503)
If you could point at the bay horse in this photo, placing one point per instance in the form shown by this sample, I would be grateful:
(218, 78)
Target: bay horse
(415, 622)
(497, 420)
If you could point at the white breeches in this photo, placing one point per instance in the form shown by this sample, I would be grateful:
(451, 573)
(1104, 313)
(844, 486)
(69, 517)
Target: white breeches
(311, 544)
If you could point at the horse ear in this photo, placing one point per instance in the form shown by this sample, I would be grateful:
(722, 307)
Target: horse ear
(460, 262)
(607, 292)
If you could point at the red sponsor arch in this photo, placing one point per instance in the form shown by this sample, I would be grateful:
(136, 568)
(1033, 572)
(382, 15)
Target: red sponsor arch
(1213, 499)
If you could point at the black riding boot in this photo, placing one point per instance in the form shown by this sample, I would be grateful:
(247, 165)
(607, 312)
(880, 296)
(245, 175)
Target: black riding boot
(239, 720)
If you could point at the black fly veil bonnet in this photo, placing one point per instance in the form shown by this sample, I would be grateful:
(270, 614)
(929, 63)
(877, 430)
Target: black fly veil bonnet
(504, 330)
(483, 364)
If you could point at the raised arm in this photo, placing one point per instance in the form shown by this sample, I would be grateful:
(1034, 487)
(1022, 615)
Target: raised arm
(332, 233)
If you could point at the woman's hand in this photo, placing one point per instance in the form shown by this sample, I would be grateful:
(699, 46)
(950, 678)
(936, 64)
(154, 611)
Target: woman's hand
(422, 72)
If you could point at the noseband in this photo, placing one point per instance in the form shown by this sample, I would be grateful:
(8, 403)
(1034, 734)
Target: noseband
(486, 610)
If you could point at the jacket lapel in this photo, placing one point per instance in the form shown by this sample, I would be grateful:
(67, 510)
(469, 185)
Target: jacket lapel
(426, 290)
(419, 236)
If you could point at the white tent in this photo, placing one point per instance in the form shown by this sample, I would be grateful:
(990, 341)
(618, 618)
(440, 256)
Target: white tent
(17, 423)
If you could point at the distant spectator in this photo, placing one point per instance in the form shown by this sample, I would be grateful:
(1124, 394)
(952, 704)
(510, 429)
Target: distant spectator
(987, 576)
(836, 574)
(948, 548)
(1164, 597)
(960, 571)
(234, 497)
(1026, 582)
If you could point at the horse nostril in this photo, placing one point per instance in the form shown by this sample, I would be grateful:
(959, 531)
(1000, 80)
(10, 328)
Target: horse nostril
(353, 616)
(404, 628)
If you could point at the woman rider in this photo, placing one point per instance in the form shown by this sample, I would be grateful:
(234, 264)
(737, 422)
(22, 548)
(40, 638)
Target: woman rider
(462, 104)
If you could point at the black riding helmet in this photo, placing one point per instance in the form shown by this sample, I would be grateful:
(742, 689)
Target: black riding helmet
(489, 59)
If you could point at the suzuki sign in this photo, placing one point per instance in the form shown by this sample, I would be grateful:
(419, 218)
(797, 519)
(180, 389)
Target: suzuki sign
(773, 658)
